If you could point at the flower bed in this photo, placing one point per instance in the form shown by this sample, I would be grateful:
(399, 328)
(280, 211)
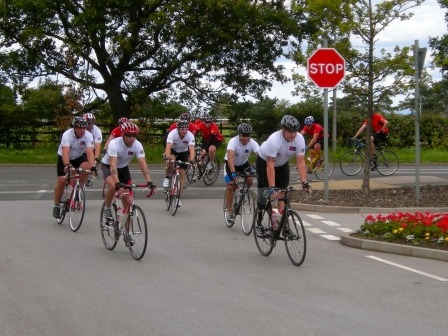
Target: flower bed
(417, 229)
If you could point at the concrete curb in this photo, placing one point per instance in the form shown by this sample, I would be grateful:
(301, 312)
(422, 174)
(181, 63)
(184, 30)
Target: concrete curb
(406, 250)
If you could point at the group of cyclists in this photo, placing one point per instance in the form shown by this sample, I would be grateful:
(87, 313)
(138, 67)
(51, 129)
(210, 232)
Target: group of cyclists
(80, 148)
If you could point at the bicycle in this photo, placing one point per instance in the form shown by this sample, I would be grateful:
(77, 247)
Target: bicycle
(317, 167)
(290, 230)
(73, 200)
(134, 223)
(172, 193)
(385, 161)
(244, 203)
(207, 171)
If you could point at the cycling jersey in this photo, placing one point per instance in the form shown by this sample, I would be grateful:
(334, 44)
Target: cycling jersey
(124, 154)
(180, 145)
(207, 132)
(241, 151)
(77, 145)
(377, 123)
(313, 129)
(282, 150)
(97, 134)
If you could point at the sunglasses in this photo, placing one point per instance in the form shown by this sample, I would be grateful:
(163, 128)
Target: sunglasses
(183, 129)
(208, 122)
(245, 135)
(129, 135)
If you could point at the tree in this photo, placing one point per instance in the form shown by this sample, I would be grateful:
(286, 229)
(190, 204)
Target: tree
(190, 50)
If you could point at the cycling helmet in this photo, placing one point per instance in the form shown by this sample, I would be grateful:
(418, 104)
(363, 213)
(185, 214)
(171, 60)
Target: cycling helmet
(79, 122)
(290, 122)
(129, 128)
(244, 128)
(122, 120)
(89, 117)
(208, 118)
(309, 121)
(185, 116)
(182, 124)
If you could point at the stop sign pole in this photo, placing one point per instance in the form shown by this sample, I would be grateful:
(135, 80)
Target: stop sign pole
(326, 68)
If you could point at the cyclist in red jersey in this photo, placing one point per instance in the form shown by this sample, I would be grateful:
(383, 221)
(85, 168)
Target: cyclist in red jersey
(116, 132)
(211, 138)
(316, 132)
(380, 131)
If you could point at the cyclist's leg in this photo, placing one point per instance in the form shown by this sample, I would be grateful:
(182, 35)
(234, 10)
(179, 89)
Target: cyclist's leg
(110, 190)
(59, 187)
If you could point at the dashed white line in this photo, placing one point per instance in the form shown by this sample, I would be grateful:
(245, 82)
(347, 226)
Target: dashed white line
(345, 230)
(315, 230)
(315, 216)
(407, 268)
(331, 223)
(306, 223)
(330, 237)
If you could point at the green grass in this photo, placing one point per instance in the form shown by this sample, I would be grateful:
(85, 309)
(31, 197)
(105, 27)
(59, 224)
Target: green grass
(47, 155)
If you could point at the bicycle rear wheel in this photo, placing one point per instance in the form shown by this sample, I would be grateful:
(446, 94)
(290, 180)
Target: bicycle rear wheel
(295, 239)
(77, 208)
(351, 163)
(109, 231)
(138, 230)
(319, 170)
(265, 241)
(247, 211)
(174, 194)
(387, 163)
(211, 173)
(229, 224)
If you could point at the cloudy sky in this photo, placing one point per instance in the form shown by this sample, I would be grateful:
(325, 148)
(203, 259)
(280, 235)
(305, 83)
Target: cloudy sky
(428, 21)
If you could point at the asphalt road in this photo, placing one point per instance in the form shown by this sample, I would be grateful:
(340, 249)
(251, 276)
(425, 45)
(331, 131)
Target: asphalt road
(200, 277)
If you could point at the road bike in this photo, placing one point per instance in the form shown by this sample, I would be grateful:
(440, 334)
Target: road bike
(315, 166)
(203, 169)
(133, 223)
(244, 202)
(385, 161)
(73, 200)
(173, 192)
(289, 228)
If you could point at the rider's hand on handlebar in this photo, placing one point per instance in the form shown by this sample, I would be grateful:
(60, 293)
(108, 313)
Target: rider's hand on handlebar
(306, 187)
(94, 171)
(66, 168)
(272, 192)
(233, 176)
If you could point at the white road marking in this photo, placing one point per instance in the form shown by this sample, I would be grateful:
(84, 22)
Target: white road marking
(315, 230)
(331, 223)
(407, 268)
(315, 216)
(330, 237)
(306, 223)
(345, 229)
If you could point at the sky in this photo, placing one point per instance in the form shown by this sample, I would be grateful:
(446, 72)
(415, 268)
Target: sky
(428, 21)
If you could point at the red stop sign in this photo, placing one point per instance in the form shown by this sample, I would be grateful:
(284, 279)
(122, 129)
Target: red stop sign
(326, 68)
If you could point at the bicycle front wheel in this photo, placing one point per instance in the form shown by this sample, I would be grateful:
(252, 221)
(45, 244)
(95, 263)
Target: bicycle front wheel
(138, 230)
(229, 224)
(319, 171)
(247, 211)
(174, 194)
(295, 239)
(77, 208)
(387, 163)
(263, 233)
(109, 230)
(351, 163)
(212, 172)
(191, 174)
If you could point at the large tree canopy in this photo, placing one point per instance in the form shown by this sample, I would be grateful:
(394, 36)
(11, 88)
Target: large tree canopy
(191, 50)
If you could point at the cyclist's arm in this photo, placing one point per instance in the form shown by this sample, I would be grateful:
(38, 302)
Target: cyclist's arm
(313, 140)
(270, 170)
(168, 149)
(385, 122)
(66, 155)
(144, 168)
(114, 169)
(230, 156)
(111, 136)
(361, 129)
(90, 156)
(192, 150)
(97, 151)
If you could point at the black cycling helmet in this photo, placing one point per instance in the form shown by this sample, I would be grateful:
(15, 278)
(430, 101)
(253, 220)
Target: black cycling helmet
(208, 118)
(289, 122)
(185, 116)
(182, 124)
(244, 128)
(79, 122)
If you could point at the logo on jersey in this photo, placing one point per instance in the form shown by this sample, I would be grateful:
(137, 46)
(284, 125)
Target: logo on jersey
(246, 151)
(184, 141)
(130, 153)
(292, 148)
(82, 143)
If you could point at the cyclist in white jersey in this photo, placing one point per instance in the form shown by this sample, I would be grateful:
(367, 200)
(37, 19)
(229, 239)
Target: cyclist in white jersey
(180, 145)
(272, 162)
(236, 161)
(97, 139)
(76, 149)
(115, 167)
